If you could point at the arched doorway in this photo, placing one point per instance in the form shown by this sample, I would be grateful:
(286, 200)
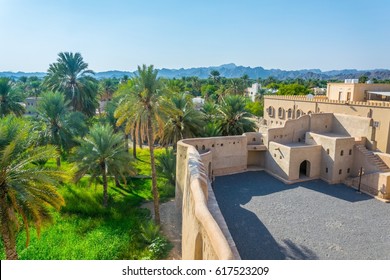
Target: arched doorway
(304, 169)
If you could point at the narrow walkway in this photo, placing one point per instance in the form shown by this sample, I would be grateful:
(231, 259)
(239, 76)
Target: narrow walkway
(170, 226)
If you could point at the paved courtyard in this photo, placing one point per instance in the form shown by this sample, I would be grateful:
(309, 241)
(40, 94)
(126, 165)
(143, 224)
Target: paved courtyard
(311, 220)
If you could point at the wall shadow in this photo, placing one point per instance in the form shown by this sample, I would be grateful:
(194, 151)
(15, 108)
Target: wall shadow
(253, 240)
(339, 191)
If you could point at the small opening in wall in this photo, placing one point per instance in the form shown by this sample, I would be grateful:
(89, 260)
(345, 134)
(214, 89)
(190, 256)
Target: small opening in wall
(299, 139)
(274, 155)
(326, 170)
(327, 151)
(340, 171)
(342, 153)
(196, 147)
(326, 126)
(213, 145)
(254, 139)
(280, 157)
(221, 144)
(348, 170)
(350, 151)
(203, 148)
(234, 143)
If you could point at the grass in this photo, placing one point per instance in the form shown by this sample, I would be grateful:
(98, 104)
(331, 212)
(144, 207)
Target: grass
(85, 230)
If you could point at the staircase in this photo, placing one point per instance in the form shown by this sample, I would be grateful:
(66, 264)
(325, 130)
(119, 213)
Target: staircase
(373, 159)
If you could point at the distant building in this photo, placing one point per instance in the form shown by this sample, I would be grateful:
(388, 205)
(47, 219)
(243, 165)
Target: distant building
(252, 91)
(349, 98)
(198, 102)
(31, 104)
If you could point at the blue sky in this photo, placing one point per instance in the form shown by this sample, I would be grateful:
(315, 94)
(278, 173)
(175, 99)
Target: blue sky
(119, 34)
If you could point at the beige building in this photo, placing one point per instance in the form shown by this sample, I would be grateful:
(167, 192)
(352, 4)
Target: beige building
(332, 138)
(365, 100)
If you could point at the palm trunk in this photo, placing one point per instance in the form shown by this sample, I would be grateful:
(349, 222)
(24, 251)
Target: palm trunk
(134, 142)
(7, 233)
(154, 175)
(139, 135)
(105, 193)
(58, 159)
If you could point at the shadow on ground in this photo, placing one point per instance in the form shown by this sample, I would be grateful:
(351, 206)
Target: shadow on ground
(253, 240)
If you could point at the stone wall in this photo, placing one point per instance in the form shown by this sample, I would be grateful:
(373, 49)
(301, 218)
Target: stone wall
(202, 236)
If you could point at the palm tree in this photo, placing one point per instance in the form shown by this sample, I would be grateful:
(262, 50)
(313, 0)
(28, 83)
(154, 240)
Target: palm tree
(180, 119)
(215, 75)
(142, 105)
(166, 165)
(10, 101)
(233, 116)
(101, 154)
(27, 190)
(58, 126)
(70, 76)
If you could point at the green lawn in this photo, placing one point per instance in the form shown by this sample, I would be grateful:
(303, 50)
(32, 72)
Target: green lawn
(85, 230)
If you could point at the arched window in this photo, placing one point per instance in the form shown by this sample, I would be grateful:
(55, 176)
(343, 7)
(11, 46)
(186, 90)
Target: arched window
(271, 111)
(299, 113)
(289, 113)
(281, 113)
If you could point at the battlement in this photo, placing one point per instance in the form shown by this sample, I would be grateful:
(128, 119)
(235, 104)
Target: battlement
(321, 99)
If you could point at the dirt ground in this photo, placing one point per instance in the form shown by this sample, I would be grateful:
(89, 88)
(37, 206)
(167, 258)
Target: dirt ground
(170, 226)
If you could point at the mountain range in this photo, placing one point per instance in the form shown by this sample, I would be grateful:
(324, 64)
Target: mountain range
(231, 70)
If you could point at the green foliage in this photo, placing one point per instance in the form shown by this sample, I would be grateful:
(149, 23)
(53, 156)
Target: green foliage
(10, 99)
(233, 117)
(55, 124)
(166, 165)
(179, 119)
(27, 191)
(293, 89)
(255, 108)
(100, 154)
(149, 232)
(70, 76)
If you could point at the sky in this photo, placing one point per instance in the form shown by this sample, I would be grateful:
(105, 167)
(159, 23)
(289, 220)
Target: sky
(121, 34)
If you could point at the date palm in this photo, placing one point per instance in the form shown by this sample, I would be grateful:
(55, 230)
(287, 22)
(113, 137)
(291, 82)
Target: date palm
(180, 119)
(101, 154)
(27, 190)
(58, 126)
(143, 105)
(234, 119)
(70, 75)
(10, 100)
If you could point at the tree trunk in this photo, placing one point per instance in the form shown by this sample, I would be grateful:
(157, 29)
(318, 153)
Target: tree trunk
(134, 141)
(58, 159)
(139, 135)
(154, 175)
(105, 193)
(7, 231)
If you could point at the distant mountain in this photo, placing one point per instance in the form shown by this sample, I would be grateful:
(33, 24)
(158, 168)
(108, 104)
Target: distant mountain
(233, 71)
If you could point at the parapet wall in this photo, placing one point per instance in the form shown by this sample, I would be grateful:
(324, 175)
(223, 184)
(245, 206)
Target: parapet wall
(202, 237)
(370, 103)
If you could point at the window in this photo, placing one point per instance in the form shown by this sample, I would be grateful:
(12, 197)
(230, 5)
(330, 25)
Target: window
(340, 171)
(327, 151)
(350, 151)
(203, 148)
(348, 170)
(326, 170)
(281, 113)
(289, 113)
(342, 153)
(299, 113)
(271, 111)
